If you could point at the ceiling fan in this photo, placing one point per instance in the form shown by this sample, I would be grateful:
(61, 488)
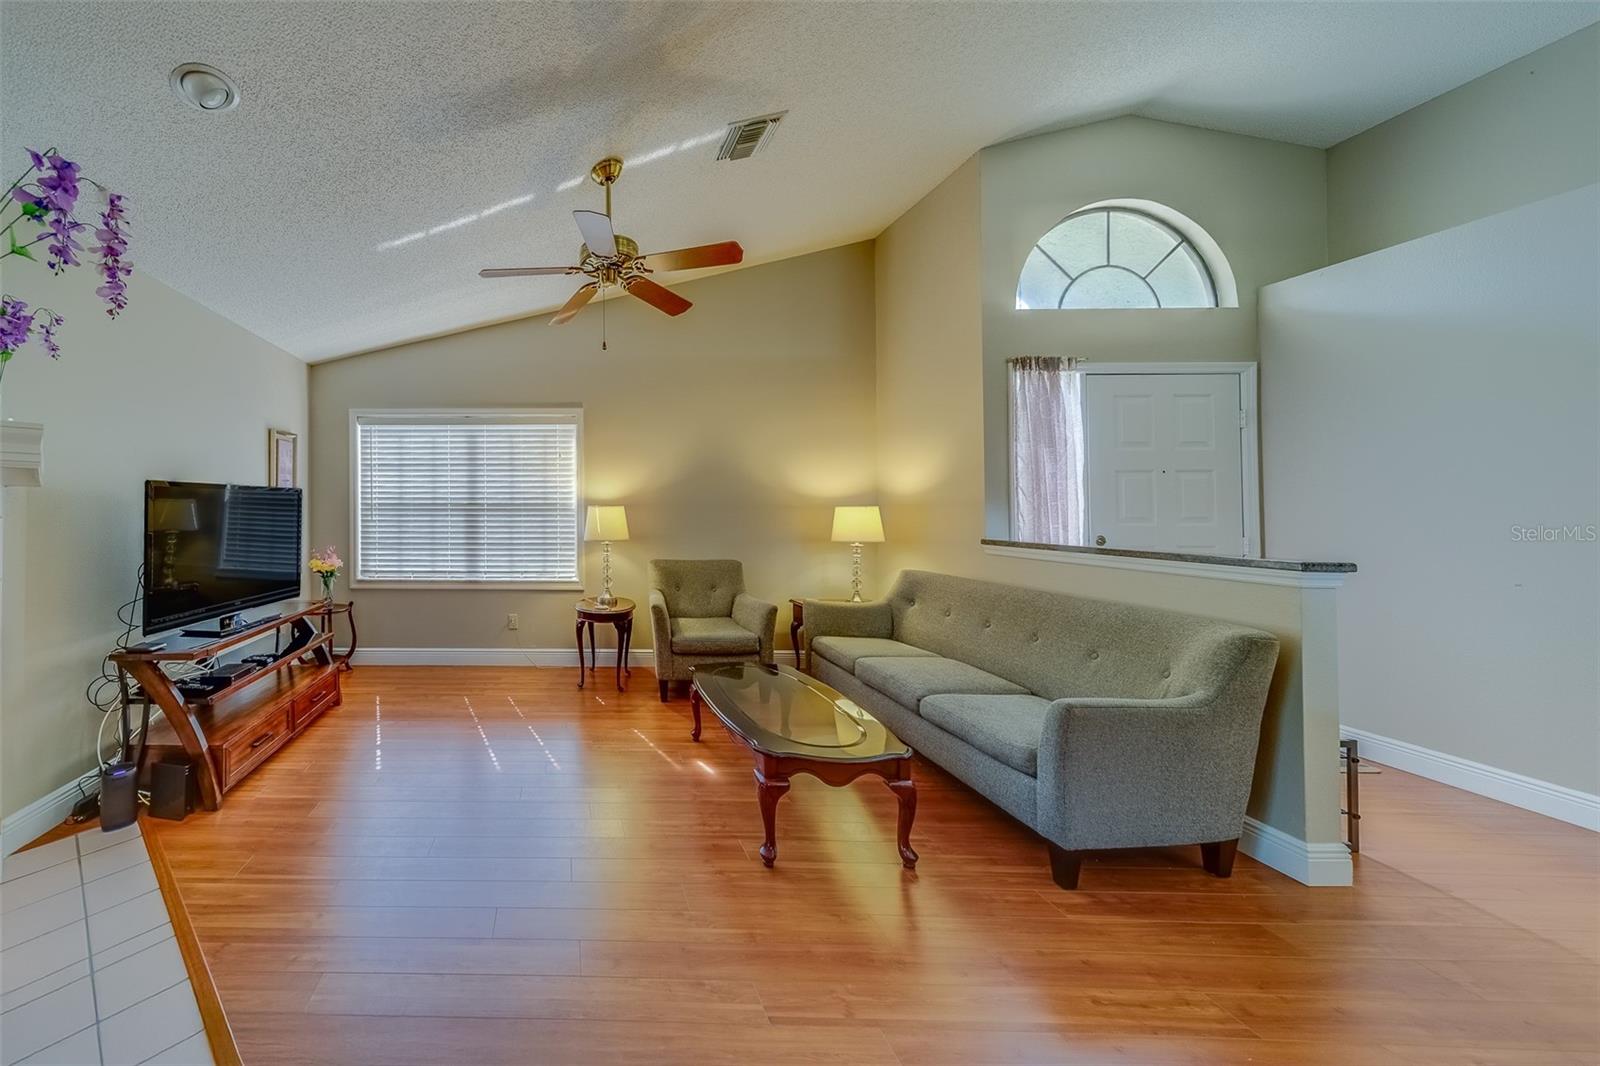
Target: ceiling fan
(610, 258)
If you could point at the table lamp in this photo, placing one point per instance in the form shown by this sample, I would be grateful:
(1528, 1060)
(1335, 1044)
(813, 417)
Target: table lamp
(857, 526)
(606, 524)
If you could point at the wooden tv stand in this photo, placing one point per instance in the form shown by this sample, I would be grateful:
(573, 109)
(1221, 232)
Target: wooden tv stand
(229, 733)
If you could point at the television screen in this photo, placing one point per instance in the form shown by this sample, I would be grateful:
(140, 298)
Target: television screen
(211, 550)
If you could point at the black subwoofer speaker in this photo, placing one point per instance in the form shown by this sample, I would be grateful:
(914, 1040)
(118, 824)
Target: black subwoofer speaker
(172, 788)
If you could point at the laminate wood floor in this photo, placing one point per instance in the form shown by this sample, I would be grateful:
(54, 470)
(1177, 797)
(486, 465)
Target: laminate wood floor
(490, 866)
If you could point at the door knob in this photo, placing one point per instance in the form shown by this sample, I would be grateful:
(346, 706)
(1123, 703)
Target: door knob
(1100, 541)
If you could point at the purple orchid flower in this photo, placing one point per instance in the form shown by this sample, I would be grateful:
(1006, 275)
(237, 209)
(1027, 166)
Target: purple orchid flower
(113, 246)
(15, 322)
(59, 188)
(49, 202)
(62, 246)
(47, 332)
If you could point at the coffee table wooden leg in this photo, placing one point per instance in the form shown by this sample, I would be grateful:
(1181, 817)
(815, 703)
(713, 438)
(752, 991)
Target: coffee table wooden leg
(694, 705)
(769, 790)
(905, 790)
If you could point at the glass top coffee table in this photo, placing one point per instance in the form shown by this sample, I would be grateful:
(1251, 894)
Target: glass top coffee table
(795, 724)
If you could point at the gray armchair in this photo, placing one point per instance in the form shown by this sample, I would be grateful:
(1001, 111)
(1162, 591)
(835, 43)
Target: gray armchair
(701, 614)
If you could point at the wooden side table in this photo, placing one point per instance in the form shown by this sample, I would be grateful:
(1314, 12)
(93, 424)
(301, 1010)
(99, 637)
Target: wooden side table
(348, 609)
(799, 607)
(795, 626)
(620, 615)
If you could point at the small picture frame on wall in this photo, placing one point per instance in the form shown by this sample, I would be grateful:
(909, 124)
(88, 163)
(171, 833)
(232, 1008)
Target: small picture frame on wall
(283, 459)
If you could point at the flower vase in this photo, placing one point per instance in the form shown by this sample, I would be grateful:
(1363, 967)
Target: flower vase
(327, 586)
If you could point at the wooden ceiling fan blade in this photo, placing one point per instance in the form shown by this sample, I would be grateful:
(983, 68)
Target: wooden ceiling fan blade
(597, 232)
(575, 304)
(725, 253)
(522, 272)
(657, 296)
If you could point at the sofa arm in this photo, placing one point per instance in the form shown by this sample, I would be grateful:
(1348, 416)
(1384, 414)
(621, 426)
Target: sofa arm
(661, 633)
(832, 618)
(760, 618)
(1145, 773)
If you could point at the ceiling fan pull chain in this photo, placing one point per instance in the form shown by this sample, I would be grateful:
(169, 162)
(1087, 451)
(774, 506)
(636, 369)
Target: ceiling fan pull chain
(603, 302)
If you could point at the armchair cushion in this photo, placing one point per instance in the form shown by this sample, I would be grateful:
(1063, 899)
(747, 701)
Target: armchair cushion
(844, 651)
(698, 588)
(909, 679)
(1007, 728)
(712, 636)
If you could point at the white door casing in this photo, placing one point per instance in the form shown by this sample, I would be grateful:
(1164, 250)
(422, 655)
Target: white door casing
(1165, 458)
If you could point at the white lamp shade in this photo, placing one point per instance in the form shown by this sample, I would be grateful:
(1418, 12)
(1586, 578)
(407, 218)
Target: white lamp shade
(606, 523)
(857, 525)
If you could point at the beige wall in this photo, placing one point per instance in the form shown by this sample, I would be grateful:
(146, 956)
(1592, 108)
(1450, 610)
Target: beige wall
(1262, 201)
(1459, 635)
(730, 431)
(169, 390)
(1518, 134)
(930, 467)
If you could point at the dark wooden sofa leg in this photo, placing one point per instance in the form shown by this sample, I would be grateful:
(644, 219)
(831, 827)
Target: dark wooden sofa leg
(666, 690)
(1218, 857)
(1065, 865)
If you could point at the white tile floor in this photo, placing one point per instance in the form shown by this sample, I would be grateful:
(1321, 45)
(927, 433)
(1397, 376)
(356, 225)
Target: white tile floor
(90, 971)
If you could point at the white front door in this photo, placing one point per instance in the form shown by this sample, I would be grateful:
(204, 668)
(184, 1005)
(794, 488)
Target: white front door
(1164, 462)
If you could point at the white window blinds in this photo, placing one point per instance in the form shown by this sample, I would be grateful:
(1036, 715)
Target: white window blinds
(458, 497)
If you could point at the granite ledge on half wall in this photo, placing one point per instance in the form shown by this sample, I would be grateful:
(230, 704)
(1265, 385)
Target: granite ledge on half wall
(1289, 565)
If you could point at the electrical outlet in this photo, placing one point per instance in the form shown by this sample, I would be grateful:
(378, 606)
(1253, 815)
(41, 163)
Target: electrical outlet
(513, 622)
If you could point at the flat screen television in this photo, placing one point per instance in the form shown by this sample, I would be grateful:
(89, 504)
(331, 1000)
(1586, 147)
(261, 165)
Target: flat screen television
(211, 551)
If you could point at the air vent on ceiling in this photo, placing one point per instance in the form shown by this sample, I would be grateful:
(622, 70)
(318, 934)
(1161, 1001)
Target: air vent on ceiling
(745, 139)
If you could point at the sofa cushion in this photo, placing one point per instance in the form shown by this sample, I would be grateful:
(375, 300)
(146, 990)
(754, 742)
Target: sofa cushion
(908, 679)
(1006, 728)
(712, 636)
(1058, 645)
(844, 651)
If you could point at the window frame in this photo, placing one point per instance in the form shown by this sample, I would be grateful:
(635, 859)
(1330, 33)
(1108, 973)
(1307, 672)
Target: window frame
(554, 414)
(1181, 241)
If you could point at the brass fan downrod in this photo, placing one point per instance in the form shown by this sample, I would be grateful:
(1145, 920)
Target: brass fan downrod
(605, 174)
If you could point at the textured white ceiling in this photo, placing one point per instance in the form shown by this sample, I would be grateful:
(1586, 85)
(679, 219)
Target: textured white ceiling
(363, 125)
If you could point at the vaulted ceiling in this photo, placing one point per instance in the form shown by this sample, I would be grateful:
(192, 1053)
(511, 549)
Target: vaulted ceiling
(383, 152)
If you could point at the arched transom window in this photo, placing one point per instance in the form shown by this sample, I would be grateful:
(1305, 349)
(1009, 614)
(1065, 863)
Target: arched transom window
(1114, 257)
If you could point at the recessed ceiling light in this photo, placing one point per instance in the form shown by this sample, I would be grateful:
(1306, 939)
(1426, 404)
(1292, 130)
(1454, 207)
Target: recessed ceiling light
(203, 87)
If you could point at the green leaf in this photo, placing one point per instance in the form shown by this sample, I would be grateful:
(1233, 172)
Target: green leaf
(19, 249)
(33, 210)
(5, 355)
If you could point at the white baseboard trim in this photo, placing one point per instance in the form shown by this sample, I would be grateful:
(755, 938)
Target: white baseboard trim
(41, 815)
(538, 657)
(1519, 790)
(1320, 865)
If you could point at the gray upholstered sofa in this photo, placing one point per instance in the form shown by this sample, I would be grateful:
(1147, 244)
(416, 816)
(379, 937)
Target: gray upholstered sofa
(1098, 724)
(700, 613)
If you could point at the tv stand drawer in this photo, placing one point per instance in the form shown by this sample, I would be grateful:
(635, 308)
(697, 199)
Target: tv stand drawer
(251, 747)
(312, 703)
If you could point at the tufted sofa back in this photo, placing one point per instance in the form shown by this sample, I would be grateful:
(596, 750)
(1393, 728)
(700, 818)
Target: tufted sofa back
(698, 588)
(1057, 645)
